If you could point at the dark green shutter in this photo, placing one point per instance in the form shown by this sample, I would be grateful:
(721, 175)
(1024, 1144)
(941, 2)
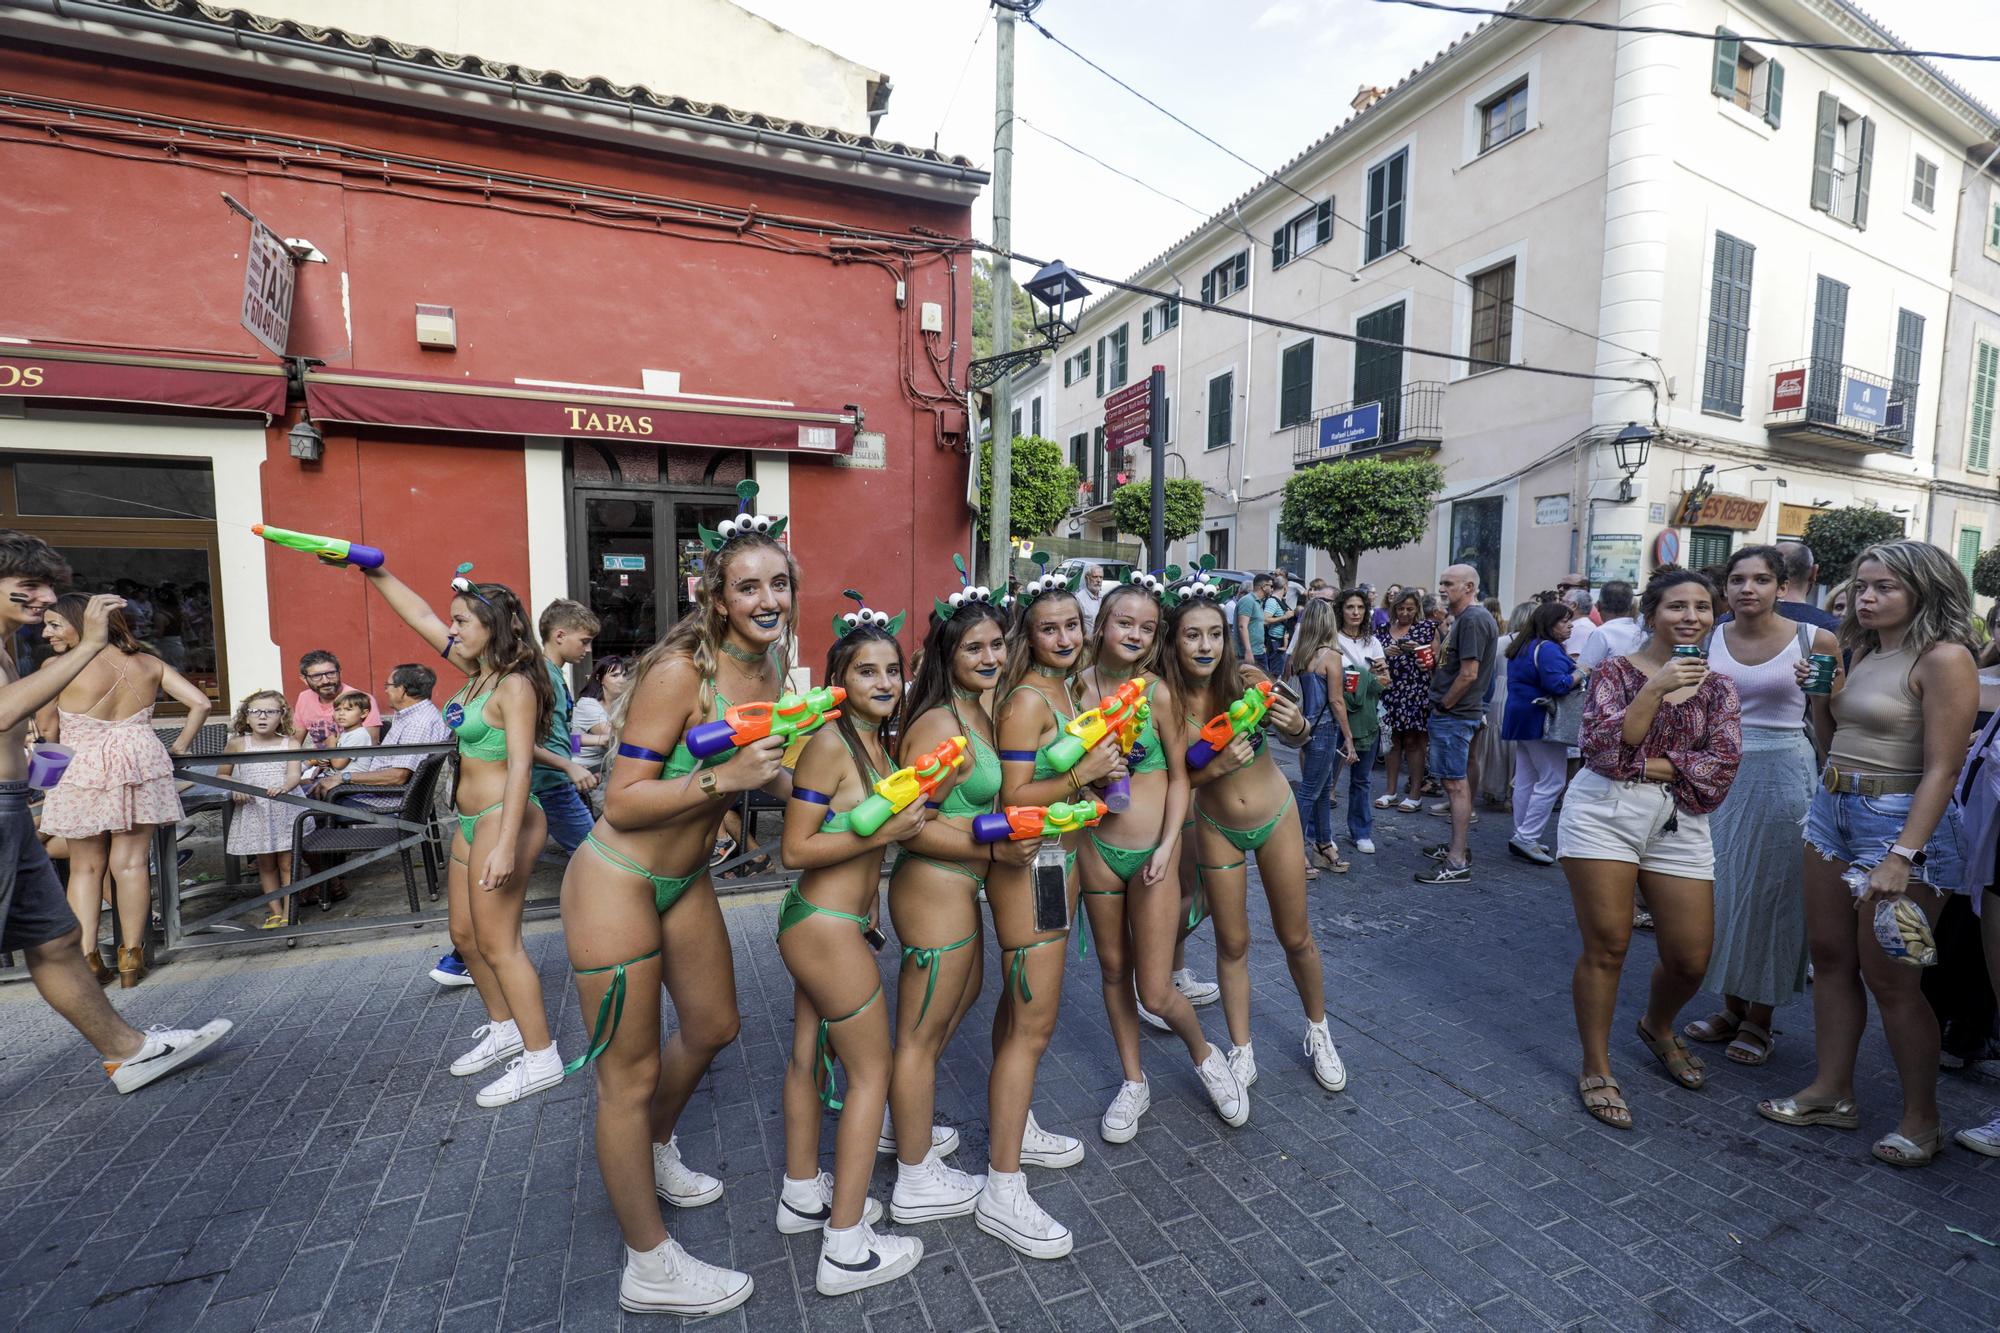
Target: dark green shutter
(1908, 369)
(1774, 93)
(1279, 238)
(1208, 288)
(1863, 172)
(1146, 325)
(1323, 222)
(1221, 396)
(1295, 384)
(1100, 367)
(1242, 270)
(1728, 325)
(1378, 370)
(1823, 139)
(1728, 50)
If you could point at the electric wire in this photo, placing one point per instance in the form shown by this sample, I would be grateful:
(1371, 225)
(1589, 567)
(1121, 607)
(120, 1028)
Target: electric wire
(952, 101)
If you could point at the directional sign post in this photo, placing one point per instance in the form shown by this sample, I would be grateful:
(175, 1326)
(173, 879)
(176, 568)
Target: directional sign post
(1127, 416)
(1344, 430)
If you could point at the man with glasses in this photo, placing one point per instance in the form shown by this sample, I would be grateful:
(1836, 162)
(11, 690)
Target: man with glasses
(312, 711)
(416, 721)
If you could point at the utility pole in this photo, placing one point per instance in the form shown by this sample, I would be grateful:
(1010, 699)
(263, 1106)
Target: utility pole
(998, 526)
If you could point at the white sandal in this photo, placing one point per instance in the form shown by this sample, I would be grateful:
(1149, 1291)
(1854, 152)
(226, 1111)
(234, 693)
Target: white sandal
(1384, 802)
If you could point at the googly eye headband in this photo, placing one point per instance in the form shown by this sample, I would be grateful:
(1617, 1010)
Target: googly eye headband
(1046, 582)
(1145, 582)
(1196, 586)
(745, 523)
(463, 586)
(863, 617)
(968, 594)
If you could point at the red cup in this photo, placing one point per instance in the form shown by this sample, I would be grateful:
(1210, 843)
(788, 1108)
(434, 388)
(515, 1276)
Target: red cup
(1350, 680)
(1426, 657)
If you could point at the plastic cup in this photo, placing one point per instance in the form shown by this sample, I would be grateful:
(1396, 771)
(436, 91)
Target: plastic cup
(1350, 680)
(46, 763)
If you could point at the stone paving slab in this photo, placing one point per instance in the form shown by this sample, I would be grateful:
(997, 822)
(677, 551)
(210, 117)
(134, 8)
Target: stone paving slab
(321, 1170)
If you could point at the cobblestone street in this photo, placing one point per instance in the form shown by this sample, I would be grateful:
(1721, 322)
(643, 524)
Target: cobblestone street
(321, 1170)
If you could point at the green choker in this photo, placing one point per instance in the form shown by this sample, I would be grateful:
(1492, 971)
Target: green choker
(863, 724)
(967, 695)
(743, 655)
(1053, 673)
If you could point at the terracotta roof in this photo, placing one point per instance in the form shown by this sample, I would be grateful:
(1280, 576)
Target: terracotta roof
(349, 43)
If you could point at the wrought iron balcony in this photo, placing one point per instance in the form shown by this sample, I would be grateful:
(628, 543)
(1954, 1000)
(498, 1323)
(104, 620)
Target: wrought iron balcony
(1821, 401)
(1408, 422)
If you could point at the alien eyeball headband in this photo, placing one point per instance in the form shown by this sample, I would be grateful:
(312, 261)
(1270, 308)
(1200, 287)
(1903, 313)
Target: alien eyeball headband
(1046, 582)
(1139, 578)
(969, 593)
(849, 621)
(745, 523)
(1197, 586)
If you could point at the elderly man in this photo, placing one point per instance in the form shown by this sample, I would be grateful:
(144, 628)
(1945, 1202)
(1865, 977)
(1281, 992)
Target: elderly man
(312, 711)
(1091, 595)
(1619, 634)
(416, 721)
(1458, 705)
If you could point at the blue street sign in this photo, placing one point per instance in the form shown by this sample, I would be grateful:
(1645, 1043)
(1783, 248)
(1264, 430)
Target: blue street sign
(1346, 429)
(1865, 402)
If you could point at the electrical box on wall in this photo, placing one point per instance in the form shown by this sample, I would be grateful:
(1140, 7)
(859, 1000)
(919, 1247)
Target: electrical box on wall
(437, 327)
(931, 317)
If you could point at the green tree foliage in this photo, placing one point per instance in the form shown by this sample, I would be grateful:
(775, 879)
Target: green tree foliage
(1044, 486)
(1839, 536)
(982, 311)
(1365, 504)
(1986, 574)
(1132, 508)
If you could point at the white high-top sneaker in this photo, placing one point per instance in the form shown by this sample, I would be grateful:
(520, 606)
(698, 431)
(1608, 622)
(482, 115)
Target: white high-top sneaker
(1232, 1103)
(1198, 993)
(679, 1184)
(1326, 1063)
(1121, 1119)
(806, 1205)
(856, 1257)
(1243, 1063)
(1041, 1148)
(527, 1073)
(497, 1042)
(669, 1280)
(1008, 1214)
(931, 1190)
(944, 1139)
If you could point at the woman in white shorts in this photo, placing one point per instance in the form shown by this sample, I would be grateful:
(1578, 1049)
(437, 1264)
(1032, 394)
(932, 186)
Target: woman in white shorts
(1661, 738)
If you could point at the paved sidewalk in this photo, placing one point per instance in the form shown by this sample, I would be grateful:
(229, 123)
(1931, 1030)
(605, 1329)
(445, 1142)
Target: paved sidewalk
(321, 1170)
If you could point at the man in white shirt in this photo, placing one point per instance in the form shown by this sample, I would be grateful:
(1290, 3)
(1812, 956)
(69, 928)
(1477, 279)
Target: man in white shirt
(416, 722)
(1621, 632)
(1091, 595)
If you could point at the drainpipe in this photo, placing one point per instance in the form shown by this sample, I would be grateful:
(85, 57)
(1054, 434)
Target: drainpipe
(1249, 378)
(1180, 290)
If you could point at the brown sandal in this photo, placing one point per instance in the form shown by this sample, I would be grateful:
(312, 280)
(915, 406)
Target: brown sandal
(1683, 1066)
(1602, 1100)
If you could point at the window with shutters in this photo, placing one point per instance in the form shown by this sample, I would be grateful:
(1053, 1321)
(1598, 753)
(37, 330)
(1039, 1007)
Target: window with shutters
(1116, 356)
(1218, 545)
(1159, 318)
(1378, 366)
(1708, 546)
(1221, 399)
(1748, 79)
(1843, 160)
(1923, 184)
(1993, 229)
(1492, 317)
(1728, 325)
(1079, 454)
(1979, 418)
(1097, 462)
(1232, 275)
(1015, 423)
(1295, 384)
(1906, 375)
(1968, 550)
(1388, 195)
(1503, 116)
(1829, 351)
(1304, 233)
(1076, 368)
(1035, 416)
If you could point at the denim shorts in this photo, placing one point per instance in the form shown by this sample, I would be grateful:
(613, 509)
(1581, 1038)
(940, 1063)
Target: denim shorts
(1451, 745)
(1860, 830)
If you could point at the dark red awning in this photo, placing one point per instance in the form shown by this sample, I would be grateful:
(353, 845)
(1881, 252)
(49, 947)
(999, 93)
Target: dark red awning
(470, 407)
(161, 381)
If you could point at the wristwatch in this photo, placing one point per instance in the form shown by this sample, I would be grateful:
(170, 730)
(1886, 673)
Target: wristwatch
(1914, 855)
(707, 781)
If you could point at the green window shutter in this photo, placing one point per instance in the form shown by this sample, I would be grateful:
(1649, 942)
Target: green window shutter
(1728, 49)
(1823, 138)
(1985, 380)
(1242, 270)
(1993, 227)
(1968, 550)
(1323, 222)
(1146, 325)
(1208, 288)
(1774, 94)
(1295, 385)
(1221, 393)
(1863, 172)
(1708, 546)
(1278, 240)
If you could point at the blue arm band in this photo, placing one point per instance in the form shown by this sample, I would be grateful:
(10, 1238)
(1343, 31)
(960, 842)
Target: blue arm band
(630, 751)
(933, 805)
(1019, 756)
(808, 794)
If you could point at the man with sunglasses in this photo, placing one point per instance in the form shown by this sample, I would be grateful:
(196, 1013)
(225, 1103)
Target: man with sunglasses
(312, 711)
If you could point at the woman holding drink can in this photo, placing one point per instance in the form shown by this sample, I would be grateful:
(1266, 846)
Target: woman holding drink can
(1759, 959)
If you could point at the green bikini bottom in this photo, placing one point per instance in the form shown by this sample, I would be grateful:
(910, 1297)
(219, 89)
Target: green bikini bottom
(667, 889)
(468, 825)
(1124, 862)
(924, 958)
(1243, 840)
(953, 866)
(792, 910)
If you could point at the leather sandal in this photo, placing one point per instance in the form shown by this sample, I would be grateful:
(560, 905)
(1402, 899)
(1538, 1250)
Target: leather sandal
(1602, 1100)
(1897, 1150)
(1718, 1026)
(1843, 1114)
(1683, 1066)
(1752, 1046)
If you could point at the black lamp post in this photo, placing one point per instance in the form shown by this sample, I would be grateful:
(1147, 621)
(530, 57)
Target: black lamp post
(1630, 446)
(1056, 298)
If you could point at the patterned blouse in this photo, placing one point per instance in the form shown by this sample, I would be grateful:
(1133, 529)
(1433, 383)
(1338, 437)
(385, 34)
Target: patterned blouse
(1702, 738)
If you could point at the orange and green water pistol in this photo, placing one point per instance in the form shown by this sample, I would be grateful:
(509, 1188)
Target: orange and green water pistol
(902, 789)
(1018, 823)
(792, 716)
(1239, 719)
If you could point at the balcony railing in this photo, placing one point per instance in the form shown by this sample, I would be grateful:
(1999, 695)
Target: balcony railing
(1822, 401)
(1406, 422)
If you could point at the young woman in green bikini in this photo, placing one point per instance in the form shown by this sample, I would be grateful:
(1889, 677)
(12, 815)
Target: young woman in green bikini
(496, 718)
(934, 898)
(1131, 891)
(1045, 648)
(1243, 807)
(837, 1011)
(639, 911)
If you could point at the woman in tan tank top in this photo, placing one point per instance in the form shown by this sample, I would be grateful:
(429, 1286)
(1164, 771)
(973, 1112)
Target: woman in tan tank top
(1901, 720)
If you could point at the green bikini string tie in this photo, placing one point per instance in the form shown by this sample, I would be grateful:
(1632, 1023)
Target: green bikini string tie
(823, 1055)
(609, 1011)
(927, 959)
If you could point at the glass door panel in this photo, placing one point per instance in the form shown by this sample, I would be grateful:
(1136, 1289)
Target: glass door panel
(621, 569)
(690, 556)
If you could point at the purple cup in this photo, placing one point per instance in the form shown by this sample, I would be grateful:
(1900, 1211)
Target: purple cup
(46, 763)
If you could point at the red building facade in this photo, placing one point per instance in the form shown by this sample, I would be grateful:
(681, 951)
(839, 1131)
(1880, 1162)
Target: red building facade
(649, 300)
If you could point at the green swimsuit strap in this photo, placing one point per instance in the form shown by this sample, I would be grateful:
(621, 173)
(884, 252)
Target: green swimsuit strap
(609, 1012)
(794, 909)
(1017, 975)
(667, 889)
(927, 960)
(904, 854)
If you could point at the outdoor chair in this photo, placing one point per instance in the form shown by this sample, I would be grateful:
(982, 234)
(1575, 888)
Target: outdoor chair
(342, 838)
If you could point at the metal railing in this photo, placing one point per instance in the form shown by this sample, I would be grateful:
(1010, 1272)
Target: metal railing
(1411, 417)
(1819, 394)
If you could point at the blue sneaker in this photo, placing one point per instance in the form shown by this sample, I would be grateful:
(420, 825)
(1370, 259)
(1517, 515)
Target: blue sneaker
(450, 971)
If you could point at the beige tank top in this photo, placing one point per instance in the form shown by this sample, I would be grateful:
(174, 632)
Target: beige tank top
(1878, 719)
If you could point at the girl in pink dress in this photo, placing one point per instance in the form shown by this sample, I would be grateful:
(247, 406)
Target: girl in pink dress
(120, 784)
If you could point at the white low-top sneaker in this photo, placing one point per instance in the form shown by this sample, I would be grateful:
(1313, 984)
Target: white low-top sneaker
(164, 1050)
(856, 1257)
(1985, 1139)
(1198, 993)
(1327, 1068)
(678, 1183)
(497, 1042)
(669, 1280)
(1041, 1148)
(806, 1205)
(944, 1139)
(1232, 1103)
(1008, 1214)
(1243, 1064)
(527, 1073)
(1121, 1118)
(931, 1190)
(1366, 846)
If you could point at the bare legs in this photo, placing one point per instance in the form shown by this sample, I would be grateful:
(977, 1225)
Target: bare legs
(57, 968)
(936, 908)
(1104, 901)
(835, 973)
(486, 928)
(89, 858)
(701, 979)
(1021, 1027)
(133, 884)
(1155, 917)
(1281, 864)
(1684, 916)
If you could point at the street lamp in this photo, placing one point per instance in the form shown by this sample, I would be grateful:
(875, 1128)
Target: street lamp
(1056, 297)
(1630, 447)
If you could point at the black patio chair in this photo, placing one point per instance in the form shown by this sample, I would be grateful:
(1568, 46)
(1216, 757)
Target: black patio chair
(342, 838)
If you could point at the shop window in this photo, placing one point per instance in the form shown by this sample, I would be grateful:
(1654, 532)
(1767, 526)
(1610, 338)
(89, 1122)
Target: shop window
(1475, 538)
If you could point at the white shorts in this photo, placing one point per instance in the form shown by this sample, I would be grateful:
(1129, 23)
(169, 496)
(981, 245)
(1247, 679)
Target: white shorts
(1603, 820)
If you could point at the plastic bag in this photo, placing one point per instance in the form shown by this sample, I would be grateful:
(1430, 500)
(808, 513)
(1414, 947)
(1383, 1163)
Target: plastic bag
(1900, 927)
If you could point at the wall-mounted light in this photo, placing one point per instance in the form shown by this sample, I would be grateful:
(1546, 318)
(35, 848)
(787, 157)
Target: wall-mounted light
(307, 444)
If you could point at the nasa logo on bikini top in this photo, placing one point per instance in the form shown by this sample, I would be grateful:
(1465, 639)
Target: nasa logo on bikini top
(454, 715)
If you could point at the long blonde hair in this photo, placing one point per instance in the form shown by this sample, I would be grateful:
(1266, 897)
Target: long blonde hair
(1938, 592)
(1318, 623)
(698, 635)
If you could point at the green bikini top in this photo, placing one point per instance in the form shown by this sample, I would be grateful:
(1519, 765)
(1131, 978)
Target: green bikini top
(1151, 756)
(1043, 769)
(477, 738)
(976, 792)
(681, 762)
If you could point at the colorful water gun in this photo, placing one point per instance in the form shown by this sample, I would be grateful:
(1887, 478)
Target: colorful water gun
(902, 789)
(1239, 719)
(792, 716)
(1125, 710)
(1019, 823)
(333, 550)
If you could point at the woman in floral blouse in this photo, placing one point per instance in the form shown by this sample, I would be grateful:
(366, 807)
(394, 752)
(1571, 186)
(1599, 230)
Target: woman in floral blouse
(1661, 738)
(1406, 707)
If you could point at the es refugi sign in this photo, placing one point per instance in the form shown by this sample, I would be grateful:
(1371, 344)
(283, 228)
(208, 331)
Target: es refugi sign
(268, 281)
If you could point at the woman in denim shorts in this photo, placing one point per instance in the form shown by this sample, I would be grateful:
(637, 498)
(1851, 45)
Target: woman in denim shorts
(1900, 722)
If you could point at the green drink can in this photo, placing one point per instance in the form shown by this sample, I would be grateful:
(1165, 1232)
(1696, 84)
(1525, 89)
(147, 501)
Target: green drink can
(1689, 650)
(1819, 673)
